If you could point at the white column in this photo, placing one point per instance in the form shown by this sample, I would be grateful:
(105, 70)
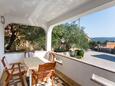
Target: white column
(1, 39)
(1, 47)
(49, 38)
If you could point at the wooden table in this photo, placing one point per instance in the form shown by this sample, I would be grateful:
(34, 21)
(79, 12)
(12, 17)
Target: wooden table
(33, 63)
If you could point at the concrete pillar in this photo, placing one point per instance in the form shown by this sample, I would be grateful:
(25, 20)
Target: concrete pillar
(1, 47)
(49, 38)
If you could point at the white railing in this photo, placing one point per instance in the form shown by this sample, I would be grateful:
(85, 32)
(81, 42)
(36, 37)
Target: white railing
(82, 72)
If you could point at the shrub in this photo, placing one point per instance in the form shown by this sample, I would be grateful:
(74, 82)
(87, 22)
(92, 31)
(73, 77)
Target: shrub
(60, 50)
(80, 53)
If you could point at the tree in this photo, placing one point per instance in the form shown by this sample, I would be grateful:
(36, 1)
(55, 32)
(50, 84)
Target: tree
(57, 34)
(20, 37)
(92, 44)
(12, 35)
(73, 35)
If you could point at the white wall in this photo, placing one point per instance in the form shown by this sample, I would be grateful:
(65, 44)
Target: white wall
(82, 73)
(13, 57)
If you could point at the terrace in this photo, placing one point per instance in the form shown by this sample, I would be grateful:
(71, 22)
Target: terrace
(47, 14)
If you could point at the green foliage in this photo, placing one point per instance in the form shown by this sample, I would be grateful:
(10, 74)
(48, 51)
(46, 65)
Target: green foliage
(92, 44)
(77, 53)
(57, 34)
(80, 53)
(27, 38)
(73, 35)
(35, 35)
(60, 50)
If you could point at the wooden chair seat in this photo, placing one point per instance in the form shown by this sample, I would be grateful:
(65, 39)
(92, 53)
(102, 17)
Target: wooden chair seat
(16, 71)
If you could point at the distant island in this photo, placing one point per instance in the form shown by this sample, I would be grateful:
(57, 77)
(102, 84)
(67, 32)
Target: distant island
(103, 39)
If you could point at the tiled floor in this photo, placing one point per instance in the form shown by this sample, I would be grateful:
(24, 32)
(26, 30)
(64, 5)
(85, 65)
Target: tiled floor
(58, 82)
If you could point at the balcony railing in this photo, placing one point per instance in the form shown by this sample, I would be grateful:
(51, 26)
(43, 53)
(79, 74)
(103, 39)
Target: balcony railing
(76, 71)
(81, 72)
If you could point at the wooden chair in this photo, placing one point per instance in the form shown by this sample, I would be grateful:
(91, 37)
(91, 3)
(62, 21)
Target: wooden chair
(45, 71)
(13, 70)
(52, 56)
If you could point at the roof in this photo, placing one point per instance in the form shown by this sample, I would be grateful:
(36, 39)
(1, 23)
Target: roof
(46, 12)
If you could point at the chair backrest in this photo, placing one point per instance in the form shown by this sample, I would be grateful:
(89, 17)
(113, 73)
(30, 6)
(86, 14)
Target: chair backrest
(52, 56)
(47, 67)
(45, 71)
(5, 64)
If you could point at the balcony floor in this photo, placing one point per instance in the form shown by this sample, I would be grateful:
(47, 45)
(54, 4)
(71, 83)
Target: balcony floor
(58, 81)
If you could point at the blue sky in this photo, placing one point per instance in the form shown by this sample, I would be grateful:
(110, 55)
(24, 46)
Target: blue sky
(100, 24)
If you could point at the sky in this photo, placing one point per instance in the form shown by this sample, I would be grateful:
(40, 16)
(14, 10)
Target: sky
(100, 24)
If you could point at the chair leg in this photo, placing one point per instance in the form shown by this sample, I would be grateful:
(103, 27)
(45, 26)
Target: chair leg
(7, 80)
(52, 81)
(21, 78)
(7, 83)
(21, 75)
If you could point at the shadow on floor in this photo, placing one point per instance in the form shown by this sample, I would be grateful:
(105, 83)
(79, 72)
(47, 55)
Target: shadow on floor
(106, 57)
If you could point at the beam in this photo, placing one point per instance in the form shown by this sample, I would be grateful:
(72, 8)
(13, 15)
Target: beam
(84, 9)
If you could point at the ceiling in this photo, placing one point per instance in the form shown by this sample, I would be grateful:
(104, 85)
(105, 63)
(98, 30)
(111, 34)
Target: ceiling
(45, 9)
(40, 11)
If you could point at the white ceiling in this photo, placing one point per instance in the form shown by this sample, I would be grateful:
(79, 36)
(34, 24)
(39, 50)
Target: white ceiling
(47, 9)
(39, 11)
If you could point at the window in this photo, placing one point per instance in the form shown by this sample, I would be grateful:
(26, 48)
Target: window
(20, 37)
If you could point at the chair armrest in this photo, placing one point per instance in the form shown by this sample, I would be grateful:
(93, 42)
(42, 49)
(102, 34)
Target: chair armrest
(16, 63)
